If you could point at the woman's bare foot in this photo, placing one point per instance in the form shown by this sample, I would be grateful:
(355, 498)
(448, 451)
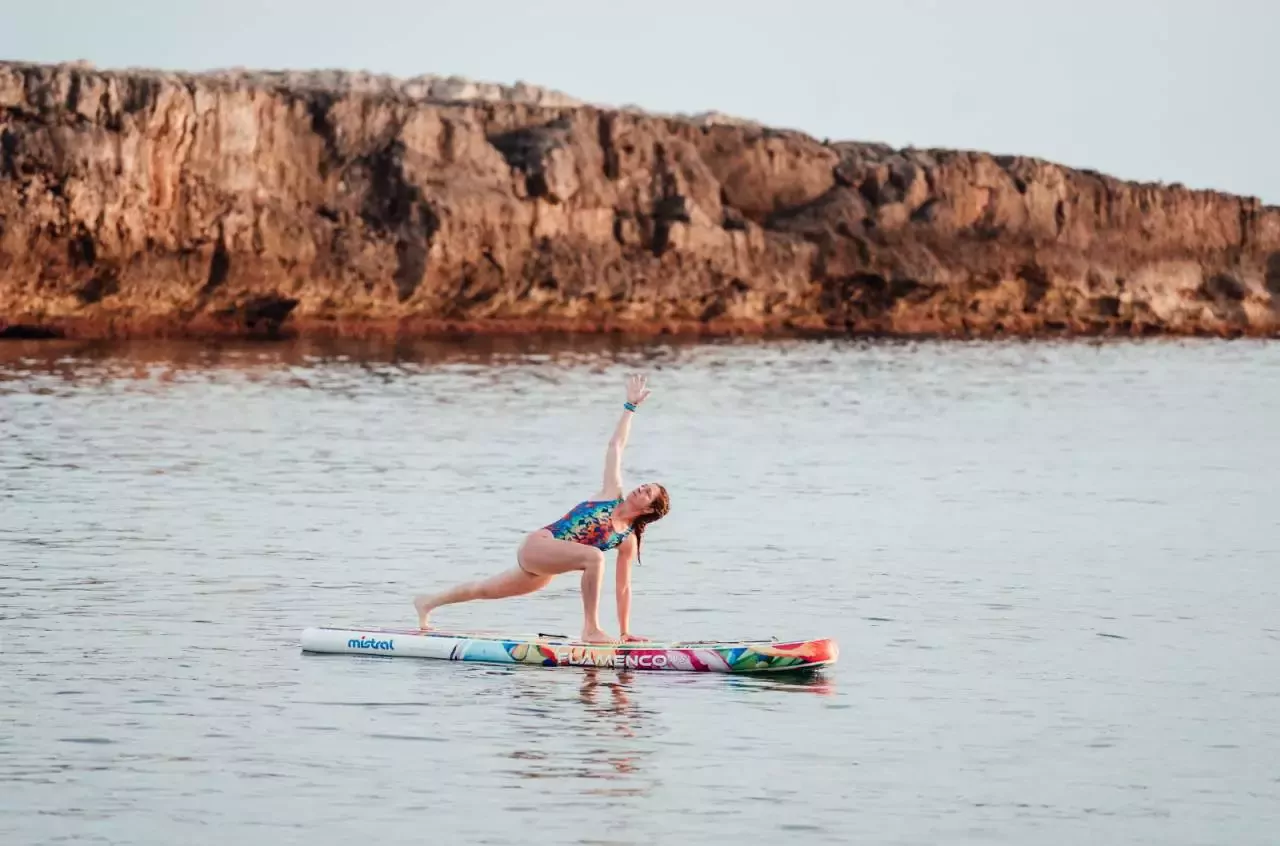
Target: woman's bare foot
(595, 635)
(422, 605)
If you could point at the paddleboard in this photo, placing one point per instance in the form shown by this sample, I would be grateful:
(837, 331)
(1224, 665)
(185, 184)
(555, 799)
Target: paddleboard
(549, 650)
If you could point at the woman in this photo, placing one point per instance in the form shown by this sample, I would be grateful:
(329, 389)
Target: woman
(578, 541)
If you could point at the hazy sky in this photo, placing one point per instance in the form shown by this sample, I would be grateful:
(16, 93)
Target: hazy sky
(1172, 91)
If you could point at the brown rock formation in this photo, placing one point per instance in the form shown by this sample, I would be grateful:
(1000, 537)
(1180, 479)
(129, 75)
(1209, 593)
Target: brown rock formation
(137, 203)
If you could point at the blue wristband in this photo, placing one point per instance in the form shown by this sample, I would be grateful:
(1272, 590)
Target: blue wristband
(629, 406)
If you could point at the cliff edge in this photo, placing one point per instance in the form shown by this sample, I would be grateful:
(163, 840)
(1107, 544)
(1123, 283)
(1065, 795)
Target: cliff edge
(146, 203)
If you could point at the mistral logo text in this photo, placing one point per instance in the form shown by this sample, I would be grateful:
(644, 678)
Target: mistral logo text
(371, 643)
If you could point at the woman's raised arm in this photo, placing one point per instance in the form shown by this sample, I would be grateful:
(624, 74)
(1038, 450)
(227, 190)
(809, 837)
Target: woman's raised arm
(636, 394)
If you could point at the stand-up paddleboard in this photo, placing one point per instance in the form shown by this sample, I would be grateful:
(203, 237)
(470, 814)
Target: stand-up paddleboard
(745, 656)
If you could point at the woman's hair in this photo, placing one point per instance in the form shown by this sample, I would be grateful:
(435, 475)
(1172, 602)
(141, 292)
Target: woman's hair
(658, 509)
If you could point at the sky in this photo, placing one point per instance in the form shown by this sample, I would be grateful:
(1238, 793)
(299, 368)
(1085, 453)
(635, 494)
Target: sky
(1172, 91)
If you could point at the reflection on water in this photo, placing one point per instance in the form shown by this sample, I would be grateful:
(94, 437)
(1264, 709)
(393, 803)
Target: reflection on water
(603, 731)
(802, 681)
(611, 732)
(1048, 567)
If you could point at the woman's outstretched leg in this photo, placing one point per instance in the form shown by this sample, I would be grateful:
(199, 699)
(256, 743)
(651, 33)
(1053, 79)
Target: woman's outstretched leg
(514, 582)
(540, 558)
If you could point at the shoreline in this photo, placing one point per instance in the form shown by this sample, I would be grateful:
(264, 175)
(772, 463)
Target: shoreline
(448, 331)
(283, 204)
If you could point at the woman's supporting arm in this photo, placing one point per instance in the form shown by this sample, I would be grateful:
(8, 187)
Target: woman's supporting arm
(622, 587)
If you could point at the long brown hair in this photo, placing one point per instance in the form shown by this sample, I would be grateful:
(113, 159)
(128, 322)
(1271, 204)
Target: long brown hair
(657, 510)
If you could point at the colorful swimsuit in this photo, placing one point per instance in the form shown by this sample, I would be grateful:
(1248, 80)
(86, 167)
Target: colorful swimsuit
(591, 523)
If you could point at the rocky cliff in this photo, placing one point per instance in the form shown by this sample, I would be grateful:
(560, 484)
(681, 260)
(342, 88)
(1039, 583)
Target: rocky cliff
(141, 203)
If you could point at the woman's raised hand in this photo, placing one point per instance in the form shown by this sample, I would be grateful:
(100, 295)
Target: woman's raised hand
(636, 390)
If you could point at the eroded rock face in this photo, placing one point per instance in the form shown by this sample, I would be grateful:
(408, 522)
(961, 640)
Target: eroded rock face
(165, 204)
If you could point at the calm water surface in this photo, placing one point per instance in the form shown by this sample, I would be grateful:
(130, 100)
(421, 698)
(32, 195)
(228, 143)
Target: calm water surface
(1052, 570)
